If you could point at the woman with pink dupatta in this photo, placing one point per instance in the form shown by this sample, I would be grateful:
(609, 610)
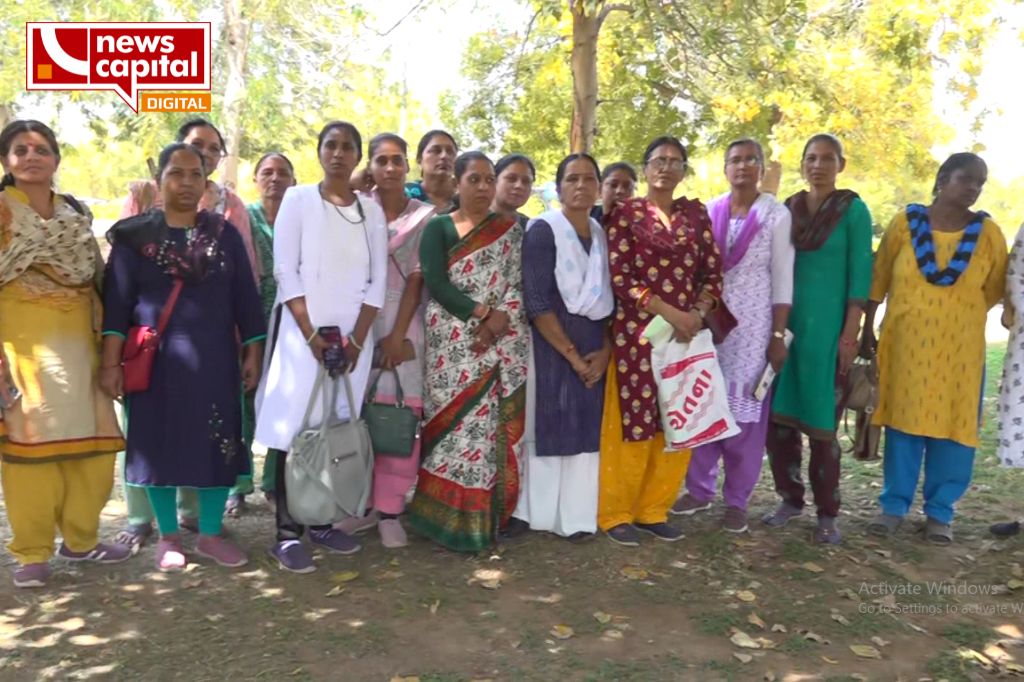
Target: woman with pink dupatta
(399, 328)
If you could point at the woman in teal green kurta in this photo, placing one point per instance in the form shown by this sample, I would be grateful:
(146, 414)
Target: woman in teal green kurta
(831, 279)
(273, 175)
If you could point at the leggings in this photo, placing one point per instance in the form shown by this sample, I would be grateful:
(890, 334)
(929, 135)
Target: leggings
(211, 508)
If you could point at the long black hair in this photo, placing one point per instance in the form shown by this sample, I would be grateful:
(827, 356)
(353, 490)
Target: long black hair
(15, 128)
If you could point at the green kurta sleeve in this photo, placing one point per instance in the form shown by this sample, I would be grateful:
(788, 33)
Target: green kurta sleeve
(438, 237)
(858, 253)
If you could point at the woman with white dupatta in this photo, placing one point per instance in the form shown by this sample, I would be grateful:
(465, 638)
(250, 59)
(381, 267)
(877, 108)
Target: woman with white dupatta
(568, 298)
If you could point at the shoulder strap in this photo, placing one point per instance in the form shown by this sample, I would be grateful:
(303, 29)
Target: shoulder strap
(73, 203)
(172, 300)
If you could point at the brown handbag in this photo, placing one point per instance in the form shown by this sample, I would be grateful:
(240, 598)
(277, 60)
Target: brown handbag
(862, 385)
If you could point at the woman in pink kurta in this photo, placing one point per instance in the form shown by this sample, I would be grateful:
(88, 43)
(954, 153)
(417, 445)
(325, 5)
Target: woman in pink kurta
(399, 328)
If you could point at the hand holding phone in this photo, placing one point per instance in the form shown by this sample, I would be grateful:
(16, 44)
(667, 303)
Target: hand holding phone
(334, 356)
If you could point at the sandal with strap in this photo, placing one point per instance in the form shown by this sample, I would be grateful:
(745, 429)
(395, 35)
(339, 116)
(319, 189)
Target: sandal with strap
(134, 535)
(885, 524)
(827, 532)
(938, 533)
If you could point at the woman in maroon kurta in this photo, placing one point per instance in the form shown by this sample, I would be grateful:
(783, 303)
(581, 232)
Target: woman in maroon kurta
(663, 261)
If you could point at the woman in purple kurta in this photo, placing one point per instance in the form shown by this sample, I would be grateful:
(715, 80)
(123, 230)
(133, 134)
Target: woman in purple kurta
(568, 298)
(185, 429)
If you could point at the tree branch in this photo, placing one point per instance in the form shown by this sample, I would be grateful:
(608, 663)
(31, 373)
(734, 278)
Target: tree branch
(608, 9)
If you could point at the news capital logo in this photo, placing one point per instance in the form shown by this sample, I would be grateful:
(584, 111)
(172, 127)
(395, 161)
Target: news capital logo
(126, 57)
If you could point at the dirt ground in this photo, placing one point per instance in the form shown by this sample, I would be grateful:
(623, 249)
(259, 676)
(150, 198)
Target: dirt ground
(766, 605)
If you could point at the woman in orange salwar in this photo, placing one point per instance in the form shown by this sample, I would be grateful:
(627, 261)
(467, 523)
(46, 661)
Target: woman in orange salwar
(663, 261)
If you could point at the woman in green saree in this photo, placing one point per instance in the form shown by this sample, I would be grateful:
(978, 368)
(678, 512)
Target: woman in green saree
(476, 359)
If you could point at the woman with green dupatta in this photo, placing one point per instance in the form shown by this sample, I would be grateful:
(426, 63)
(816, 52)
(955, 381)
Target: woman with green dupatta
(476, 355)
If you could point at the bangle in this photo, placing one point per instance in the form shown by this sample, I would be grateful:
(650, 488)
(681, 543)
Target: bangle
(644, 299)
(312, 336)
(487, 313)
(570, 349)
(355, 343)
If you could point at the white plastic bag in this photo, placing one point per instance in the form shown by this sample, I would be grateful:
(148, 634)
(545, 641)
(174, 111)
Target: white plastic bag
(692, 396)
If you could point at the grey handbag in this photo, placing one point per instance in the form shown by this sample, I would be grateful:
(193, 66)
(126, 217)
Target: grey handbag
(329, 469)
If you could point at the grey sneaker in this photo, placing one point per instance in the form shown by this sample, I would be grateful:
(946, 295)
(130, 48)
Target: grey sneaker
(781, 516)
(734, 520)
(291, 555)
(624, 534)
(688, 505)
(333, 540)
(662, 531)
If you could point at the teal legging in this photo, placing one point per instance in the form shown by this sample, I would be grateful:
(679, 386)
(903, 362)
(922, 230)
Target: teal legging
(211, 508)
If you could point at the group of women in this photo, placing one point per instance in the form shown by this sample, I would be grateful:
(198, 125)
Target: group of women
(517, 341)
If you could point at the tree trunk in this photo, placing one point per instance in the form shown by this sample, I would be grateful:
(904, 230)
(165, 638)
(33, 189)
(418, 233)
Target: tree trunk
(236, 33)
(6, 114)
(585, 30)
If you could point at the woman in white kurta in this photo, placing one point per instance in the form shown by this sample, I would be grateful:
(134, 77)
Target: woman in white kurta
(1011, 396)
(330, 262)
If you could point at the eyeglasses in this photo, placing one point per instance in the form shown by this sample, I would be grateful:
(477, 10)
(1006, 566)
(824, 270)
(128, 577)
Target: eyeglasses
(743, 161)
(666, 162)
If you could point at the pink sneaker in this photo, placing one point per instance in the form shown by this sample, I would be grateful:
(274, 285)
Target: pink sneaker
(358, 524)
(169, 554)
(392, 535)
(32, 575)
(221, 550)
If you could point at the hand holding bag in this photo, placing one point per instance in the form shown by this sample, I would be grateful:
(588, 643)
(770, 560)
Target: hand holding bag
(861, 393)
(394, 429)
(328, 469)
(142, 344)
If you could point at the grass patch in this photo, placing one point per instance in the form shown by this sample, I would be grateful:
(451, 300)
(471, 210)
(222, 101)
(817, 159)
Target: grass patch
(796, 644)
(718, 623)
(799, 550)
(968, 635)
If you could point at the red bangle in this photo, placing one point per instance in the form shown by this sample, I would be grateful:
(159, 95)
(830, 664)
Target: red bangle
(644, 300)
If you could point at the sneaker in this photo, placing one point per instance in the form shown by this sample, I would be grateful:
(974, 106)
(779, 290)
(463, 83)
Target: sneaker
(102, 553)
(334, 540)
(581, 537)
(392, 535)
(688, 505)
(514, 529)
(354, 525)
(734, 520)
(781, 516)
(221, 550)
(32, 575)
(1005, 530)
(624, 534)
(827, 532)
(662, 531)
(292, 555)
(169, 554)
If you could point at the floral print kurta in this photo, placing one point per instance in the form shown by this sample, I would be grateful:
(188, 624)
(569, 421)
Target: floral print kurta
(680, 264)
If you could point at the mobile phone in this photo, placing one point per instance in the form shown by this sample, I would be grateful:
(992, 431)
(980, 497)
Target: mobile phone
(334, 356)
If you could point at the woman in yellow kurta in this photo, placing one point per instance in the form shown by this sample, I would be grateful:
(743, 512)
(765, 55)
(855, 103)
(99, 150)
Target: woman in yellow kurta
(940, 268)
(58, 432)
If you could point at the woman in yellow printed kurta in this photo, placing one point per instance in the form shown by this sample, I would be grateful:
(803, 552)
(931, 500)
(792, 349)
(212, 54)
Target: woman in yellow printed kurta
(58, 440)
(941, 269)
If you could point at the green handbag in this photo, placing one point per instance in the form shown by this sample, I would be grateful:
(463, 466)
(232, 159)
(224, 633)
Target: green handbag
(394, 429)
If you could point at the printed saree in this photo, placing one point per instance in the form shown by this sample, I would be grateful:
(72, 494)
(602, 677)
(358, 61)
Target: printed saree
(475, 401)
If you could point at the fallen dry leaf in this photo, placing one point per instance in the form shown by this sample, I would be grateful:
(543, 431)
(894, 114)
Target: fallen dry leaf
(769, 677)
(880, 642)
(633, 572)
(335, 591)
(849, 594)
(612, 635)
(1015, 584)
(491, 584)
(561, 632)
(192, 584)
(814, 637)
(602, 617)
(742, 639)
(812, 567)
(391, 575)
(1014, 668)
(1016, 571)
(865, 651)
(746, 595)
(552, 598)
(779, 627)
(883, 553)
(742, 658)
(754, 619)
(839, 618)
(678, 564)
(435, 606)
(829, 660)
(410, 678)
(344, 576)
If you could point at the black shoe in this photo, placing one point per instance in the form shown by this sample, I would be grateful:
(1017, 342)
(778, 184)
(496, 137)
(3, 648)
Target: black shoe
(515, 528)
(662, 531)
(1005, 530)
(624, 534)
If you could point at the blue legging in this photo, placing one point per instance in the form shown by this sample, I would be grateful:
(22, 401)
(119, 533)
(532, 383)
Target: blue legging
(165, 508)
(948, 466)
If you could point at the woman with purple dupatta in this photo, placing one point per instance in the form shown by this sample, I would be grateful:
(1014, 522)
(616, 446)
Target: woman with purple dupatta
(752, 231)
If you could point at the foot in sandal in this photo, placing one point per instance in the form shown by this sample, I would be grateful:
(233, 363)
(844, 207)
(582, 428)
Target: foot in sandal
(885, 524)
(937, 532)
